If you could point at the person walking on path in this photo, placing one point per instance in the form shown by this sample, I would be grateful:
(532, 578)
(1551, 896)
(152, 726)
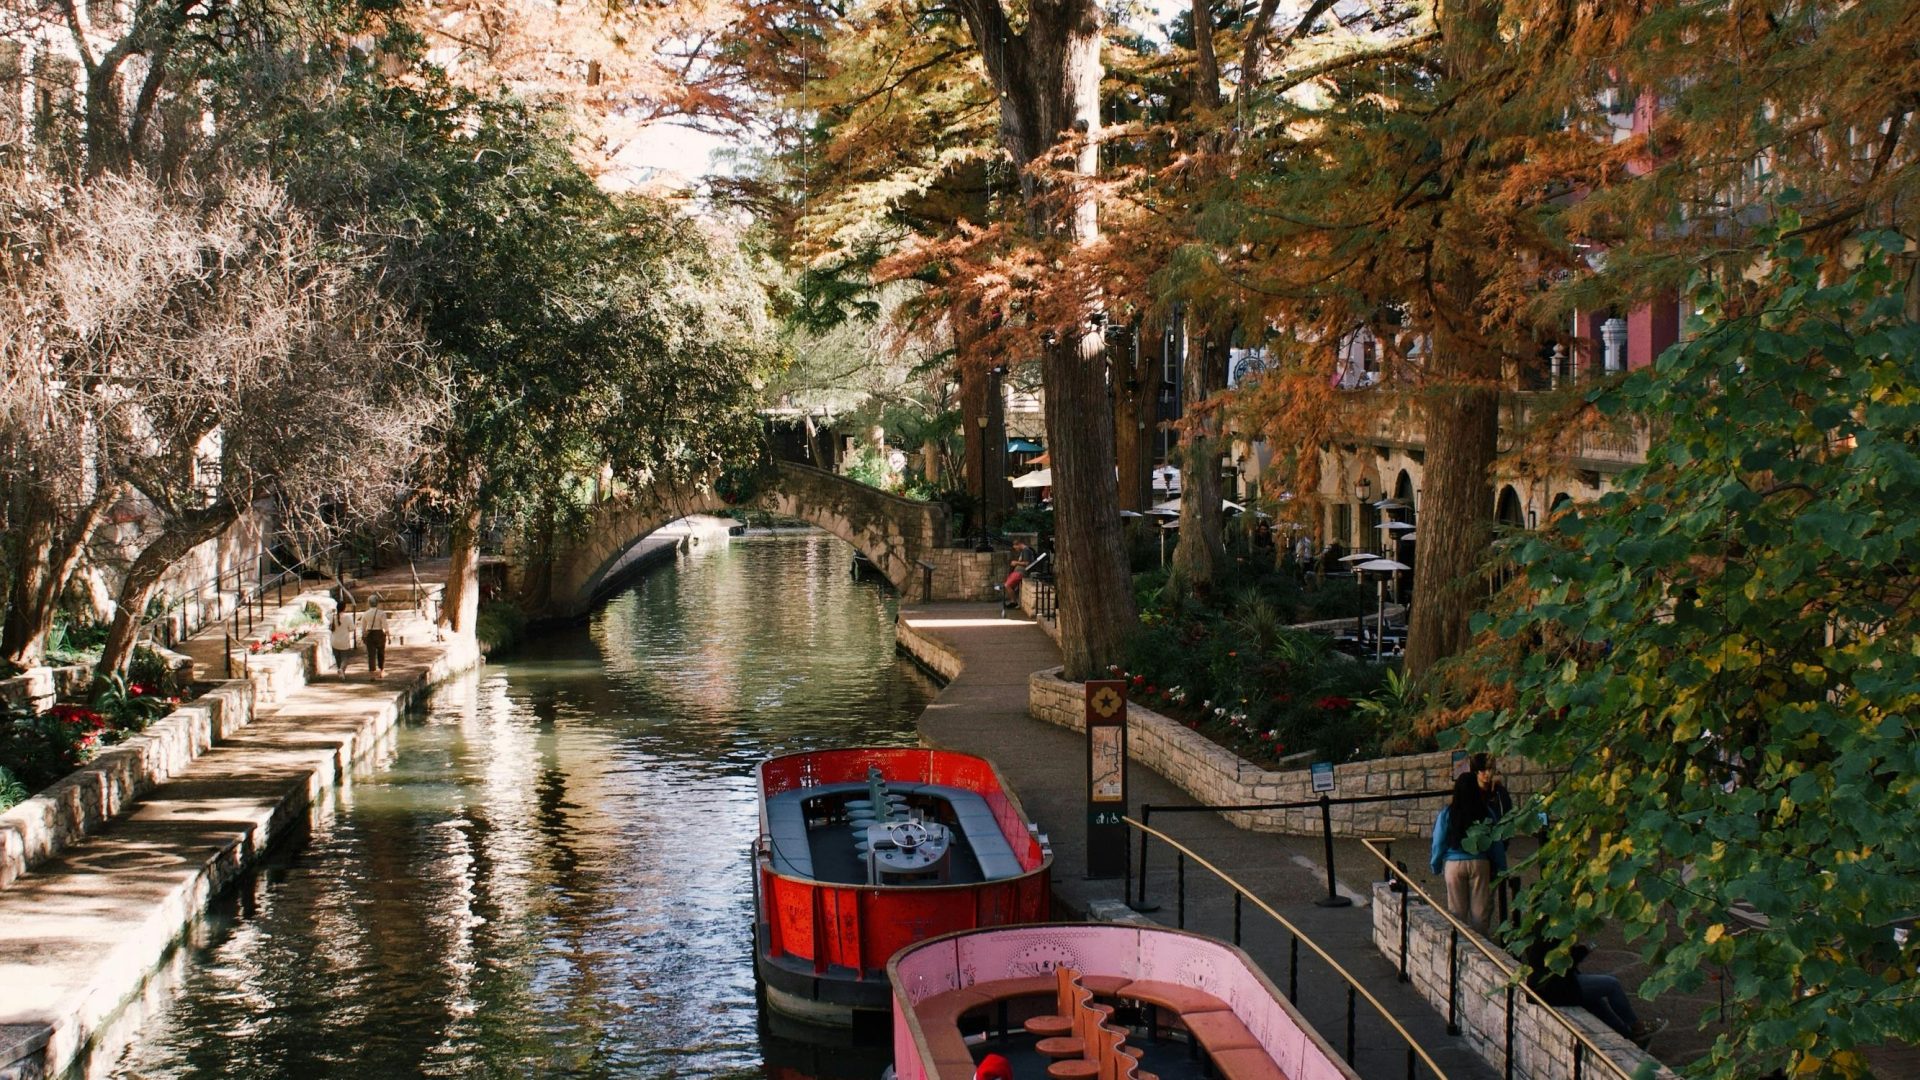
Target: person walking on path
(1468, 874)
(346, 634)
(374, 634)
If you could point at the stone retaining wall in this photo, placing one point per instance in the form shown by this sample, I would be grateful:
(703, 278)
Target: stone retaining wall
(925, 650)
(1214, 775)
(39, 687)
(100, 790)
(960, 574)
(1543, 1047)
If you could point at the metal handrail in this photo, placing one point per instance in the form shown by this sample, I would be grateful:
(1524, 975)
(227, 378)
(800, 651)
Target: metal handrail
(1353, 984)
(245, 595)
(1582, 1042)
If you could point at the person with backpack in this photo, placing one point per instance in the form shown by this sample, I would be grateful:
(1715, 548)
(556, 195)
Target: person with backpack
(1468, 874)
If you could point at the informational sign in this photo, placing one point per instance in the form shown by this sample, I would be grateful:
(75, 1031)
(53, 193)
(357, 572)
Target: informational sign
(1106, 778)
(1322, 776)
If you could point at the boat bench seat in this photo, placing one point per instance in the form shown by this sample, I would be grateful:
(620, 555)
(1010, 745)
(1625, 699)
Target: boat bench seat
(982, 830)
(1235, 1052)
(940, 1015)
(787, 829)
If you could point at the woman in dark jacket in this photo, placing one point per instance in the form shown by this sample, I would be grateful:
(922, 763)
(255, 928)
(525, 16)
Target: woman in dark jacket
(1468, 874)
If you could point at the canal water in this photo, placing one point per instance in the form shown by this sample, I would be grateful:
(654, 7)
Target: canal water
(550, 877)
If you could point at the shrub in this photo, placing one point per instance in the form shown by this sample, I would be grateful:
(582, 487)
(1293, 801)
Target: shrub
(39, 749)
(12, 791)
(1236, 672)
(128, 706)
(150, 670)
(498, 626)
(70, 642)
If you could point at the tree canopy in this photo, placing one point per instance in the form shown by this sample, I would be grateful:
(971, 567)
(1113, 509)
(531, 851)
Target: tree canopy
(1720, 657)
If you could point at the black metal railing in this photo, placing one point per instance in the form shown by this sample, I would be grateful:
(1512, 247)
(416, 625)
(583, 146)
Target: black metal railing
(1324, 803)
(1583, 1045)
(1415, 1053)
(192, 613)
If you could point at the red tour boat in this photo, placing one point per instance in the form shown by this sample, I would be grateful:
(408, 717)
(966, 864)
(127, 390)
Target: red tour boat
(865, 851)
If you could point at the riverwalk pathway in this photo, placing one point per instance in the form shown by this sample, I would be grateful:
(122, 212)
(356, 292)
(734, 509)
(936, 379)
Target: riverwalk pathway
(82, 932)
(983, 711)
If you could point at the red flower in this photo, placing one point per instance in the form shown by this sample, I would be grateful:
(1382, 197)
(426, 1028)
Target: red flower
(1153, 689)
(135, 689)
(1139, 680)
(1332, 702)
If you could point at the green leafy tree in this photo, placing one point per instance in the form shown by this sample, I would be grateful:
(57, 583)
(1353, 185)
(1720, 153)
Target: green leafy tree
(1721, 658)
(580, 330)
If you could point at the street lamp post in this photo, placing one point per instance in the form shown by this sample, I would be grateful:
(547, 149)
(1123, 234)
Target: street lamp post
(983, 544)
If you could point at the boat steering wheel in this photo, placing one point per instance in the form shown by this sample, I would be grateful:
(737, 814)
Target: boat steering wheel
(907, 835)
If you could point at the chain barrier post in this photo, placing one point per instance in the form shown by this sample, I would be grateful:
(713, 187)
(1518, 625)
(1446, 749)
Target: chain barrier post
(1293, 967)
(1333, 897)
(1146, 819)
(1406, 914)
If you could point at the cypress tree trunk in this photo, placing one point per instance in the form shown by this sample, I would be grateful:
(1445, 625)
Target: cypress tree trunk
(1134, 395)
(1201, 552)
(1462, 413)
(24, 638)
(461, 604)
(42, 577)
(1048, 79)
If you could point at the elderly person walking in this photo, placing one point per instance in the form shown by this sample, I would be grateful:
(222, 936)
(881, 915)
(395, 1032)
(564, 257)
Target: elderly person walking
(1468, 874)
(374, 624)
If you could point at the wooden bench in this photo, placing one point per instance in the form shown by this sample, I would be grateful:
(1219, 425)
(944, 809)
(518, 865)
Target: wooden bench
(1212, 1027)
(1099, 1049)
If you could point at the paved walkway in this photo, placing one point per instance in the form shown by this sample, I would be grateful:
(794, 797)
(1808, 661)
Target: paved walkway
(984, 711)
(81, 932)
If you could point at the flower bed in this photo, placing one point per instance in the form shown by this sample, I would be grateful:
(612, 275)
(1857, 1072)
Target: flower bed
(38, 748)
(279, 641)
(1237, 673)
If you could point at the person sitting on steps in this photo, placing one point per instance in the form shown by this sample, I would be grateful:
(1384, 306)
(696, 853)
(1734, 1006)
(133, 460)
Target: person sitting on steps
(1601, 995)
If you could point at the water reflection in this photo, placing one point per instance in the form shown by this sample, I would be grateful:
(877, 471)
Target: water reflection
(551, 877)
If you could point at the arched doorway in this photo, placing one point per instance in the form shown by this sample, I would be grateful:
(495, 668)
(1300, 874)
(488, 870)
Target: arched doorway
(1508, 510)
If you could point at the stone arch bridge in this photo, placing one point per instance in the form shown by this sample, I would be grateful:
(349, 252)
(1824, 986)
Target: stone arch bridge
(899, 536)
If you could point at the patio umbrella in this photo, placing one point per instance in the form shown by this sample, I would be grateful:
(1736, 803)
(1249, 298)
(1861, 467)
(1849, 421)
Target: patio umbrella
(1130, 513)
(1358, 556)
(1408, 537)
(1035, 479)
(1383, 565)
(1380, 592)
(1389, 503)
(1394, 526)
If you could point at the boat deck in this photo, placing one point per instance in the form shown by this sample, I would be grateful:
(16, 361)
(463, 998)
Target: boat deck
(812, 836)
